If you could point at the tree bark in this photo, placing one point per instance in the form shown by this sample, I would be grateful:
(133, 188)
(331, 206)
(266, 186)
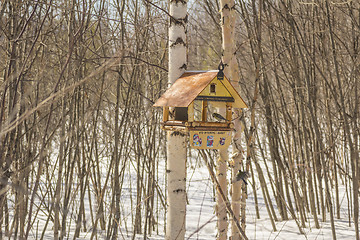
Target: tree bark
(176, 141)
(227, 18)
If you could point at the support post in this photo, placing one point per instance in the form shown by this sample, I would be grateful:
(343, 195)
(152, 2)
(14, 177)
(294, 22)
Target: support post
(229, 111)
(191, 112)
(165, 114)
(204, 111)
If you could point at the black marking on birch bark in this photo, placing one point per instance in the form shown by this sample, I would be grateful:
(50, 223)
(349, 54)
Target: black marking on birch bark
(177, 133)
(177, 1)
(178, 190)
(226, 6)
(184, 66)
(179, 21)
(179, 40)
(236, 147)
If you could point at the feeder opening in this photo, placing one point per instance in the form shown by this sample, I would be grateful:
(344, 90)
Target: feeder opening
(181, 113)
(213, 88)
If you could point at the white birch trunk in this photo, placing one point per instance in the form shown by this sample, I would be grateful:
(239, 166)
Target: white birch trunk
(232, 72)
(237, 161)
(227, 7)
(221, 213)
(176, 142)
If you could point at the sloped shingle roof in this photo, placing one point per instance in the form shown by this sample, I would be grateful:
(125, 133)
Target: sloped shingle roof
(186, 88)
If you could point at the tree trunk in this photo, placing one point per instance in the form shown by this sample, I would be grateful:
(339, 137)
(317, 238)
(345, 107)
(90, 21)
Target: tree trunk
(221, 213)
(176, 141)
(227, 27)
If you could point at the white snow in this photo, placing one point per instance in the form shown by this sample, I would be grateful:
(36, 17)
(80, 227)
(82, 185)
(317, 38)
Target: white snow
(201, 219)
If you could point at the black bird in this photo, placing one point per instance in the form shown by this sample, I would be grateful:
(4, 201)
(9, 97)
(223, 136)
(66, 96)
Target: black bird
(241, 175)
(218, 117)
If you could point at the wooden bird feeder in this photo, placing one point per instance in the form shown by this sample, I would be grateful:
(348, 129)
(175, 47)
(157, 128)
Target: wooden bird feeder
(187, 103)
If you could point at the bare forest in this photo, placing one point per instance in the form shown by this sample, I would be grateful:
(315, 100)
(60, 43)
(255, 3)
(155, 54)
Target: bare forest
(81, 145)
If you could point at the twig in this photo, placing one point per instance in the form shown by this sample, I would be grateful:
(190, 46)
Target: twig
(227, 203)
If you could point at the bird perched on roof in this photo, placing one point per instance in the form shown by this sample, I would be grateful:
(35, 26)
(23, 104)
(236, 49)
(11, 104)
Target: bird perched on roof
(241, 175)
(218, 117)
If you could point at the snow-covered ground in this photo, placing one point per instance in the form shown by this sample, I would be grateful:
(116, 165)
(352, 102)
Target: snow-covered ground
(201, 219)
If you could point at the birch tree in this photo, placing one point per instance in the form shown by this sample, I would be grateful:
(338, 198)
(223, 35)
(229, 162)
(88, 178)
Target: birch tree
(176, 141)
(232, 72)
(227, 6)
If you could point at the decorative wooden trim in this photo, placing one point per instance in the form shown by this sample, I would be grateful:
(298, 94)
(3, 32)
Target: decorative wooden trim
(210, 124)
(197, 126)
(210, 129)
(215, 99)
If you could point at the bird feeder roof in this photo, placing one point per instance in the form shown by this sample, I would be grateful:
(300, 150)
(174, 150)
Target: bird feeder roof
(190, 85)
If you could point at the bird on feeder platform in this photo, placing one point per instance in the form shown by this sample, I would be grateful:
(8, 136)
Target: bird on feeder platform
(241, 175)
(218, 117)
